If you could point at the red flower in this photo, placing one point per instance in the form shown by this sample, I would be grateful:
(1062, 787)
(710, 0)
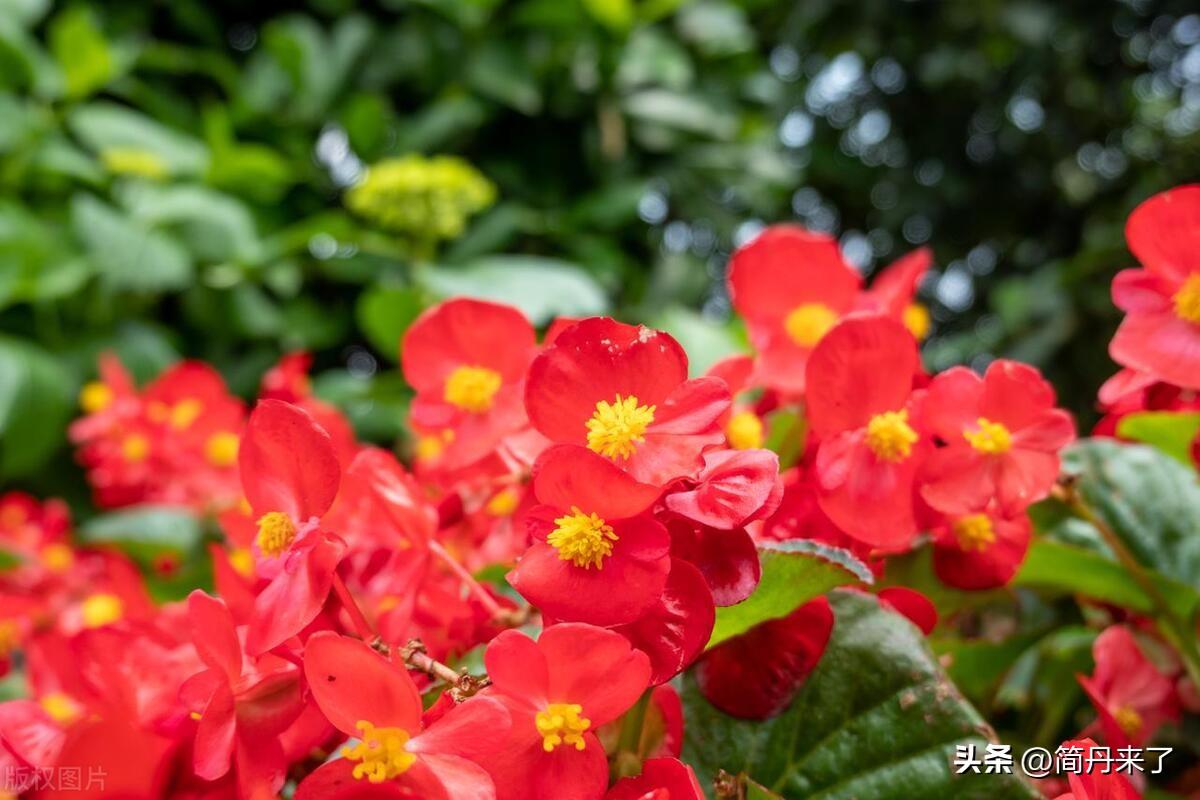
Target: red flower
(733, 488)
(559, 689)
(241, 707)
(755, 675)
(661, 779)
(980, 550)
(1002, 435)
(674, 630)
(374, 700)
(791, 286)
(597, 555)
(893, 292)
(1132, 698)
(467, 360)
(290, 474)
(860, 405)
(622, 391)
(912, 605)
(1161, 331)
(1094, 784)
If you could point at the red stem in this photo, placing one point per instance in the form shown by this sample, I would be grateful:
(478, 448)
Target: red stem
(481, 594)
(357, 617)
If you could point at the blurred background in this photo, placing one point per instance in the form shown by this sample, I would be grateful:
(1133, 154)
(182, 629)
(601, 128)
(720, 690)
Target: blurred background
(178, 178)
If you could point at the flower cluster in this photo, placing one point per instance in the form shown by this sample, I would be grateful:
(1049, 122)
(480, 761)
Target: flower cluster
(577, 510)
(421, 197)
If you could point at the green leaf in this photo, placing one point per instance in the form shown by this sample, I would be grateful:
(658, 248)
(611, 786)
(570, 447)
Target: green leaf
(212, 225)
(147, 529)
(384, 314)
(35, 404)
(877, 720)
(1151, 501)
(543, 288)
(128, 254)
(107, 127)
(793, 572)
(498, 72)
(81, 51)
(617, 15)
(1170, 431)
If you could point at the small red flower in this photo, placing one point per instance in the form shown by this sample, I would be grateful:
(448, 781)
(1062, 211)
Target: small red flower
(467, 360)
(860, 405)
(291, 475)
(1002, 435)
(559, 690)
(622, 391)
(791, 286)
(375, 701)
(661, 779)
(980, 550)
(733, 488)
(1093, 784)
(1132, 698)
(893, 292)
(597, 556)
(1161, 331)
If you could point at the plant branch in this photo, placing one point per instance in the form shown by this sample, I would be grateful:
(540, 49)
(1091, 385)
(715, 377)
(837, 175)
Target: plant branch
(512, 617)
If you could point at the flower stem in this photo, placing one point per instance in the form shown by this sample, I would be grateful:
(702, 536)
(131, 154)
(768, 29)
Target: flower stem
(481, 594)
(629, 756)
(361, 626)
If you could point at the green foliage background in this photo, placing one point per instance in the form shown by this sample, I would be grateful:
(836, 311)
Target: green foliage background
(632, 144)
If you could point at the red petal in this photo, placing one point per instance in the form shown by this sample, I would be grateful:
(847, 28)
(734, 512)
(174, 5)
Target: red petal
(287, 462)
(1164, 232)
(1015, 394)
(727, 559)
(468, 730)
(731, 488)
(676, 628)
(1161, 344)
(334, 780)
(786, 266)
(952, 404)
(517, 667)
(294, 597)
(214, 736)
(670, 774)
(214, 635)
(352, 682)
(911, 604)
(570, 475)
(606, 681)
(464, 332)
(975, 570)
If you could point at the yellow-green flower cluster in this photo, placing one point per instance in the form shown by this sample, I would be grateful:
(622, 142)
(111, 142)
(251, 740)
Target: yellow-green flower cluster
(427, 198)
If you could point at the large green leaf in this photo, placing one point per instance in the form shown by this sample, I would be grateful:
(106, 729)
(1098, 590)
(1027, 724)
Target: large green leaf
(384, 314)
(35, 404)
(129, 254)
(214, 226)
(146, 528)
(877, 720)
(1151, 501)
(105, 127)
(1169, 431)
(544, 288)
(793, 572)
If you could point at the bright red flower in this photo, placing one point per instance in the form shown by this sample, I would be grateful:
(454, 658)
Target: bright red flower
(980, 550)
(288, 379)
(559, 690)
(727, 559)
(791, 286)
(290, 474)
(1002, 436)
(1161, 331)
(1094, 784)
(622, 391)
(242, 705)
(1132, 698)
(371, 699)
(893, 292)
(467, 360)
(674, 630)
(597, 555)
(912, 605)
(755, 675)
(733, 488)
(861, 407)
(661, 779)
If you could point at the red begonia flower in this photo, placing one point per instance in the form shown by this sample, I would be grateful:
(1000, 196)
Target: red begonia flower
(290, 474)
(674, 630)
(661, 779)
(980, 550)
(893, 292)
(559, 689)
(1132, 698)
(755, 675)
(791, 286)
(800, 516)
(1093, 784)
(467, 360)
(1161, 331)
(1002, 436)
(622, 391)
(598, 556)
(861, 407)
(727, 559)
(371, 699)
(733, 487)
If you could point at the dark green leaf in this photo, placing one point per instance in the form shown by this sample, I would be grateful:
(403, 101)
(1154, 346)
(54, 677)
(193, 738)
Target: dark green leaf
(35, 404)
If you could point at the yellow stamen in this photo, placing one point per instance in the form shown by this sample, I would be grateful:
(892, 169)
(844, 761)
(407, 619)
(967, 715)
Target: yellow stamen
(184, 413)
(744, 431)
(991, 438)
(57, 557)
(221, 449)
(503, 503)
(560, 723)
(381, 753)
(916, 318)
(276, 531)
(1187, 299)
(472, 388)
(102, 608)
(974, 532)
(95, 396)
(807, 324)
(890, 437)
(583, 539)
(433, 445)
(60, 707)
(616, 429)
(135, 447)
(1128, 720)
(242, 561)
